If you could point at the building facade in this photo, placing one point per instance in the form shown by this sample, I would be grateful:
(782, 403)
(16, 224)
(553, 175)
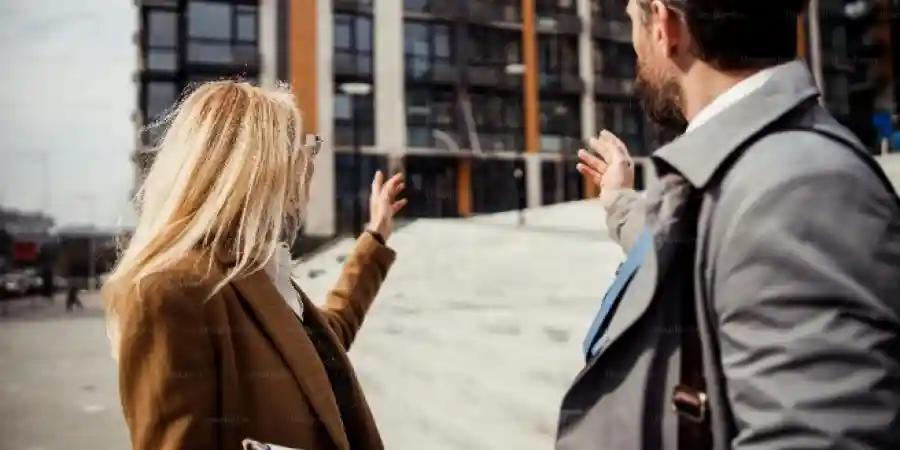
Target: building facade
(482, 103)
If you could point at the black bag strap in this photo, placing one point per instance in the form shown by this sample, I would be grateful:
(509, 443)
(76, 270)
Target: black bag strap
(690, 399)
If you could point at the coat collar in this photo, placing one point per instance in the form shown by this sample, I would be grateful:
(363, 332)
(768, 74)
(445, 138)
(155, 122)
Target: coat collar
(698, 155)
(299, 353)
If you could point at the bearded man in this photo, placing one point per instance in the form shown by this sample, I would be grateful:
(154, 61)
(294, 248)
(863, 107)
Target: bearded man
(759, 306)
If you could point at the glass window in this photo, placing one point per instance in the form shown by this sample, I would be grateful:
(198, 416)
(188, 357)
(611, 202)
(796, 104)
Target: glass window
(246, 25)
(416, 39)
(162, 60)
(622, 116)
(348, 109)
(428, 110)
(442, 41)
(615, 59)
(211, 20)
(160, 95)
(610, 9)
(343, 31)
(364, 33)
(162, 28)
(415, 5)
(424, 44)
(210, 53)
(343, 107)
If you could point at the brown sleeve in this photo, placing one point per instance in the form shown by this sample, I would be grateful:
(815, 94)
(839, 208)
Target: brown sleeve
(363, 273)
(167, 379)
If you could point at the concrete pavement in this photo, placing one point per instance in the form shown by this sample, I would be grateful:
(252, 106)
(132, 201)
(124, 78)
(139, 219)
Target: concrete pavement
(57, 379)
(470, 344)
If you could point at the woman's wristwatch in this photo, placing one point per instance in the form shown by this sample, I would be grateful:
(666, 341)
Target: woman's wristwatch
(378, 237)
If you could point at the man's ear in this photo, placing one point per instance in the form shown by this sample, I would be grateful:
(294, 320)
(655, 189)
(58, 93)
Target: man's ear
(666, 25)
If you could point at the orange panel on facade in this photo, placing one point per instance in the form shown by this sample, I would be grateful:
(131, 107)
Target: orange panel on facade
(530, 85)
(302, 46)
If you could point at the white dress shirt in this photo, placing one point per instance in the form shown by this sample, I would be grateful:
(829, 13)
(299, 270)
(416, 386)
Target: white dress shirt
(279, 271)
(728, 98)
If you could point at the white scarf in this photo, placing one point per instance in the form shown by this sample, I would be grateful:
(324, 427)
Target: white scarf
(279, 271)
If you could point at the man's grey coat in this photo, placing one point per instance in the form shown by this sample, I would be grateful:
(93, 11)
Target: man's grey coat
(796, 283)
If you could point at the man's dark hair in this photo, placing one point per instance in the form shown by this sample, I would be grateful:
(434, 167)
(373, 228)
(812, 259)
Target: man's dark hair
(740, 34)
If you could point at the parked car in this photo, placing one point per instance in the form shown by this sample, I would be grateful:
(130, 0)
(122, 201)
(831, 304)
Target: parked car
(14, 284)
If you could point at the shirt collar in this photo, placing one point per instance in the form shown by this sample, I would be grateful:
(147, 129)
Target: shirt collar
(733, 95)
(698, 155)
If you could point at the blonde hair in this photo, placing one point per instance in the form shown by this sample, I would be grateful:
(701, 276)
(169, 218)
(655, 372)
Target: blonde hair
(229, 178)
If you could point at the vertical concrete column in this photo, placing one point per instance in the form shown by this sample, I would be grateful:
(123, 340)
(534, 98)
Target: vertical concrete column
(310, 51)
(268, 42)
(533, 182)
(323, 184)
(390, 81)
(586, 70)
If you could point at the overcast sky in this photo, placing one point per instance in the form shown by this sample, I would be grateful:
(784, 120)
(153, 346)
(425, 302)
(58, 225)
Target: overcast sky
(66, 98)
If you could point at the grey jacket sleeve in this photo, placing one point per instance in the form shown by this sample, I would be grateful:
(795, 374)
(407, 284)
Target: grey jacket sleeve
(625, 216)
(806, 293)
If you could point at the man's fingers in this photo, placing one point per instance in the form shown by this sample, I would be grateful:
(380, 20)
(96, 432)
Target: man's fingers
(587, 171)
(398, 205)
(601, 147)
(592, 160)
(618, 148)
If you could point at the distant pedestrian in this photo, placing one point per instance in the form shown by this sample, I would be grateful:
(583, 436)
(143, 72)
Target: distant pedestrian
(72, 299)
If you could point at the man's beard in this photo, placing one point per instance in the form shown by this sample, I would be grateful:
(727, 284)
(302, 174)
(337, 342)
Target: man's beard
(661, 100)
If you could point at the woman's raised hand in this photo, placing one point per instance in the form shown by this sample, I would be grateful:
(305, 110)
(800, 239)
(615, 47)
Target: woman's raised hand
(383, 203)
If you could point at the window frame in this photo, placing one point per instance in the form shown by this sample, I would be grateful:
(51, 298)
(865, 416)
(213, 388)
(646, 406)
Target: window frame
(431, 59)
(446, 98)
(232, 42)
(610, 66)
(362, 58)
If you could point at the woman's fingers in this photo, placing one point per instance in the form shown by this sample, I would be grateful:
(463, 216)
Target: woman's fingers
(377, 183)
(398, 205)
(392, 183)
(396, 190)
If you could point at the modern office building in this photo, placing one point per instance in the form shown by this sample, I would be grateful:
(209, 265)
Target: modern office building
(855, 42)
(482, 103)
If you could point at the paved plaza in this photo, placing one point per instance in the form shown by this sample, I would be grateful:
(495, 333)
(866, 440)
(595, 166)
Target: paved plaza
(470, 345)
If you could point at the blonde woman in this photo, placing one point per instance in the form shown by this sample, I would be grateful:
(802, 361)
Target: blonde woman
(214, 342)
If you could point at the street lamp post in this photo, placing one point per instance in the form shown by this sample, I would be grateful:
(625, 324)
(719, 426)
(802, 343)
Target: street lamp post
(355, 91)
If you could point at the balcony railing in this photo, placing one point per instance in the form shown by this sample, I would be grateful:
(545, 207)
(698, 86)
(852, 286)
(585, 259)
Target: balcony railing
(482, 11)
(437, 8)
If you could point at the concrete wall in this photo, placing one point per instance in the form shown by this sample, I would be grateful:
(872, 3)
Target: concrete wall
(390, 81)
(268, 42)
(321, 217)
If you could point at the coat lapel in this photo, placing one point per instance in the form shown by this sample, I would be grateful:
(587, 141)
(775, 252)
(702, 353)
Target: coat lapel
(666, 206)
(291, 341)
